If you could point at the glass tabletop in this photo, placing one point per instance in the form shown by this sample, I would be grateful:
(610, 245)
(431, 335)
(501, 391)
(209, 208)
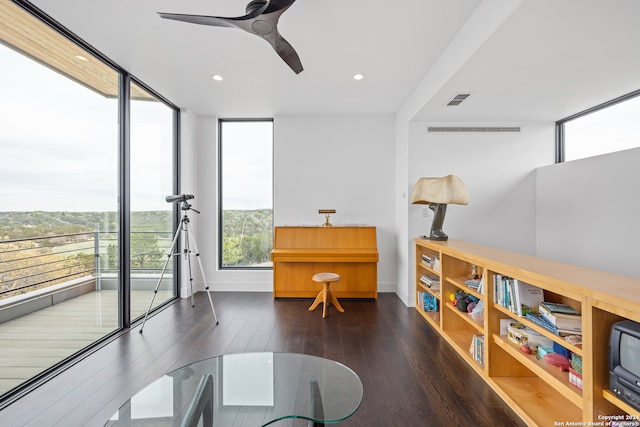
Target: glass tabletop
(246, 389)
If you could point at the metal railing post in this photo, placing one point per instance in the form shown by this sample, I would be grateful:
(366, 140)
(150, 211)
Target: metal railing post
(96, 256)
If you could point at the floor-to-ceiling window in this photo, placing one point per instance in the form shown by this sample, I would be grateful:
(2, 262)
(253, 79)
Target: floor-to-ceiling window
(82, 152)
(246, 193)
(152, 179)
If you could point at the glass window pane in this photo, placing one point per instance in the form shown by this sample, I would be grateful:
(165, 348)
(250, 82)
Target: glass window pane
(611, 129)
(246, 167)
(59, 144)
(152, 140)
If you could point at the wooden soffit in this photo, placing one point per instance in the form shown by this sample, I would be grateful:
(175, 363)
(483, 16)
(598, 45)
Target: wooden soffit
(28, 35)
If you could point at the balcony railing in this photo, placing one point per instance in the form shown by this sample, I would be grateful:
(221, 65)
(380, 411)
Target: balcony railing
(32, 264)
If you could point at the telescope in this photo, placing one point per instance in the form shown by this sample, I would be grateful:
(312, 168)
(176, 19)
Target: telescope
(179, 198)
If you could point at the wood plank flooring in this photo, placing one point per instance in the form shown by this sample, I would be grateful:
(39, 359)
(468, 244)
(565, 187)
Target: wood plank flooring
(411, 376)
(34, 342)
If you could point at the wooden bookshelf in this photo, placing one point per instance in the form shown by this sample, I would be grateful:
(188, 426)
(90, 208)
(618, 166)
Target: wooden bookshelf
(538, 392)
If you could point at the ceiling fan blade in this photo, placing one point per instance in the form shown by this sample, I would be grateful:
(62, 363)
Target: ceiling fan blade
(261, 19)
(288, 54)
(214, 21)
(275, 5)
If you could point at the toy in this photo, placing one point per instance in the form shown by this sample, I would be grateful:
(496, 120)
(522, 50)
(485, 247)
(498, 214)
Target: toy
(558, 360)
(462, 300)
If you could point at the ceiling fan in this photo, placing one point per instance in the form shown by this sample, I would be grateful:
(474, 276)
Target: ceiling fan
(261, 19)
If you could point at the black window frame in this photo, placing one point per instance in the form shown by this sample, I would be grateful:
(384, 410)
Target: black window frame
(560, 129)
(220, 239)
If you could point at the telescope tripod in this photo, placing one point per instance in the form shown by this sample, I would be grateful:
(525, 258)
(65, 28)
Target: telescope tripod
(189, 239)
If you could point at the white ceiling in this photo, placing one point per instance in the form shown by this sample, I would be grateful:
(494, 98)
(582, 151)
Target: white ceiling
(544, 61)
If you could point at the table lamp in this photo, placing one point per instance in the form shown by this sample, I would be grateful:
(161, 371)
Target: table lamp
(327, 213)
(438, 193)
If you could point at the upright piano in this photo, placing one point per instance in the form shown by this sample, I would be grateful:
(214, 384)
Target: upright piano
(299, 252)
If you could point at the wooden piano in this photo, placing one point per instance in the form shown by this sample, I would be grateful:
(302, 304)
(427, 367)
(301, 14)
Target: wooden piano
(300, 252)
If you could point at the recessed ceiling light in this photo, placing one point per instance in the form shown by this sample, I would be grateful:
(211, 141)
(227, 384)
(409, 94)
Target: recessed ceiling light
(358, 76)
(217, 77)
(81, 58)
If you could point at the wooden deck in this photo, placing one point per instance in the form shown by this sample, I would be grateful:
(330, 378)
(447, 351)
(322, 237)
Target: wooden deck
(411, 376)
(37, 341)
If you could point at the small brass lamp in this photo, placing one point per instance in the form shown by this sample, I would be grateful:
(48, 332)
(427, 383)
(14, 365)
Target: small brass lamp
(438, 193)
(327, 213)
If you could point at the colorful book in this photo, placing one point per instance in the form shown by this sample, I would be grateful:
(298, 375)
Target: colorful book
(559, 308)
(528, 297)
(541, 321)
(564, 322)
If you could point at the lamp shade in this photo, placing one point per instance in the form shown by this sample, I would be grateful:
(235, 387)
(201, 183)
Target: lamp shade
(445, 190)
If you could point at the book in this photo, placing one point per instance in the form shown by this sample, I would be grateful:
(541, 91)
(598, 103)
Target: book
(541, 321)
(527, 297)
(476, 350)
(430, 281)
(427, 260)
(559, 308)
(481, 286)
(565, 323)
(516, 296)
(473, 283)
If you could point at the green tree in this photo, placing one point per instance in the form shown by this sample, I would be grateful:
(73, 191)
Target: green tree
(145, 252)
(232, 252)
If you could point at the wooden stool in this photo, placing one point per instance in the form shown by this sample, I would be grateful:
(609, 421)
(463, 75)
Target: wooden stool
(325, 295)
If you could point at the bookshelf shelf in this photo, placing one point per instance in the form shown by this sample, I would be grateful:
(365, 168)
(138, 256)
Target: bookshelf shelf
(459, 283)
(466, 318)
(461, 341)
(610, 397)
(433, 291)
(433, 317)
(573, 348)
(549, 374)
(432, 257)
(535, 402)
(538, 392)
(429, 269)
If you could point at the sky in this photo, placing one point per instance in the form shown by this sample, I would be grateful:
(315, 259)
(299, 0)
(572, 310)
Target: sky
(247, 163)
(52, 163)
(59, 147)
(612, 129)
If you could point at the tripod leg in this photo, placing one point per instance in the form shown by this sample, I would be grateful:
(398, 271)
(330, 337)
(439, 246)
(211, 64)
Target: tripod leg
(187, 255)
(206, 285)
(164, 268)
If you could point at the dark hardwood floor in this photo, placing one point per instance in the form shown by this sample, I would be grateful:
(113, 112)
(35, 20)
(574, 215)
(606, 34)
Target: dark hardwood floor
(411, 376)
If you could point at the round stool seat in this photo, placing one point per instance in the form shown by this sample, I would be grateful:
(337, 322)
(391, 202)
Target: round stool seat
(325, 295)
(326, 277)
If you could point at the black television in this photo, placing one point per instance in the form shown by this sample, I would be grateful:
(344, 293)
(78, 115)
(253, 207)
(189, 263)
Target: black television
(624, 361)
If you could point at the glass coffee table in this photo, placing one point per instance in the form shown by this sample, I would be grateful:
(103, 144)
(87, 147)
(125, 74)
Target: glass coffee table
(246, 389)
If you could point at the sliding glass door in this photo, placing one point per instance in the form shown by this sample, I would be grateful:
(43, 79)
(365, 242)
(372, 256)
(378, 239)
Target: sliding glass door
(59, 146)
(88, 157)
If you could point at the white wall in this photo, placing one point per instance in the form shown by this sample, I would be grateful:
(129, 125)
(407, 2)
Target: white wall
(498, 170)
(188, 180)
(338, 162)
(519, 200)
(588, 212)
(320, 162)
(404, 251)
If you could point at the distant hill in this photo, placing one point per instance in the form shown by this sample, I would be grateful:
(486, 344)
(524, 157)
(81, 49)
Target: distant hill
(247, 239)
(21, 225)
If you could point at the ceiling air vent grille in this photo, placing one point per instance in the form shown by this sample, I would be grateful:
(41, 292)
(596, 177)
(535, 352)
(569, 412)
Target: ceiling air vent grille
(472, 129)
(457, 100)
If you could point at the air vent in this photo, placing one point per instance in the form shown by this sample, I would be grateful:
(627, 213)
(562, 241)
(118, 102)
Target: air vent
(457, 100)
(472, 129)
